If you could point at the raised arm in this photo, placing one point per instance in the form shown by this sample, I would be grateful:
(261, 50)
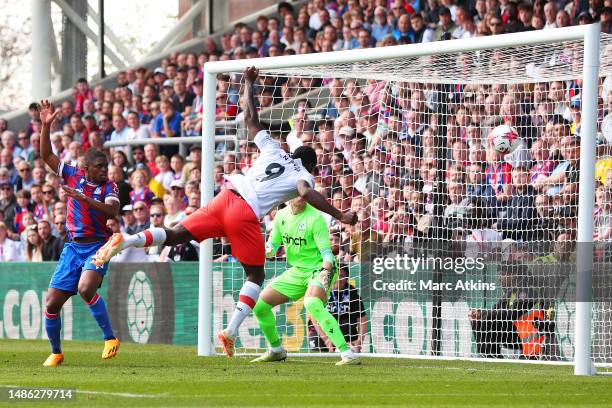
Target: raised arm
(47, 115)
(251, 117)
(319, 202)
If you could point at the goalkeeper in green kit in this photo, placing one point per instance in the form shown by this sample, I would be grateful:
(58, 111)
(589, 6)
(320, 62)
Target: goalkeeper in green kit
(303, 231)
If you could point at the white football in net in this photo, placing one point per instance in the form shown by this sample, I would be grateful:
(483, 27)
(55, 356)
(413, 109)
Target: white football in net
(505, 139)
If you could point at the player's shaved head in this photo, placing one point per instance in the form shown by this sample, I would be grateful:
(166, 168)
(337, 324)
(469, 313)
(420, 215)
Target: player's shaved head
(97, 165)
(308, 157)
(92, 155)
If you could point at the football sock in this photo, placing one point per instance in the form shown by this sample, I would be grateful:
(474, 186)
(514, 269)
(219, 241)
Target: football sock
(316, 308)
(246, 302)
(97, 307)
(267, 324)
(146, 238)
(53, 327)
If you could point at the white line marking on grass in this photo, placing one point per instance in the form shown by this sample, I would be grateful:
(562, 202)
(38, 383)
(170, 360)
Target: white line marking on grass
(114, 394)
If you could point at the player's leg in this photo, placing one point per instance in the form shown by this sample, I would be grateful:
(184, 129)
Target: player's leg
(89, 283)
(249, 294)
(88, 289)
(315, 300)
(150, 237)
(201, 225)
(63, 285)
(244, 232)
(53, 324)
(269, 299)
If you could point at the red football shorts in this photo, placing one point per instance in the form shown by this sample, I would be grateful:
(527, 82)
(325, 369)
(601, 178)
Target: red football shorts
(229, 215)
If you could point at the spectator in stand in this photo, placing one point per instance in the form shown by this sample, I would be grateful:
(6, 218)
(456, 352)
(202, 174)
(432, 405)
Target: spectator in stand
(33, 245)
(25, 180)
(446, 26)
(525, 15)
(165, 175)
(9, 142)
(24, 148)
(195, 161)
(106, 126)
(10, 251)
(141, 216)
(517, 221)
(177, 191)
(60, 228)
(346, 306)
(24, 206)
(182, 98)
(51, 245)
(150, 153)
(121, 161)
(168, 124)
(37, 200)
(6, 161)
(140, 191)
(421, 33)
(136, 131)
(121, 132)
(174, 212)
(550, 15)
(138, 159)
(116, 175)
(128, 221)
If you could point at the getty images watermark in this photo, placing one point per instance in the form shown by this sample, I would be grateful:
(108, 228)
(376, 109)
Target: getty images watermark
(411, 273)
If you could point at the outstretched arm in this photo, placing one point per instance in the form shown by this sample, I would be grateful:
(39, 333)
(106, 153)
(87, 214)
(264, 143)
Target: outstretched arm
(47, 115)
(319, 202)
(251, 117)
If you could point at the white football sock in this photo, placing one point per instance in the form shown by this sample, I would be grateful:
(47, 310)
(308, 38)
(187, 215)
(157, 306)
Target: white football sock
(246, 302)
(348, 353)
(147, 238)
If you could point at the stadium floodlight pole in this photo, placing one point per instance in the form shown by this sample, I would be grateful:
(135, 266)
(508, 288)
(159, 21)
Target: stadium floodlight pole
(205, 280)
(584, 262)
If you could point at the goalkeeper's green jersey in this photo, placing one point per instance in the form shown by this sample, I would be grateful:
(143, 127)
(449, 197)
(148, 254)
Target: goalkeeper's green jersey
(305, 237)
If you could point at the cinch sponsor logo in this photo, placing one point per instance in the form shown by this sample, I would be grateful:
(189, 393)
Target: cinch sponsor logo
(297, 241)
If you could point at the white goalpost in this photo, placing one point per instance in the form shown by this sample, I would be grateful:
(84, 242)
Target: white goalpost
(402, 133)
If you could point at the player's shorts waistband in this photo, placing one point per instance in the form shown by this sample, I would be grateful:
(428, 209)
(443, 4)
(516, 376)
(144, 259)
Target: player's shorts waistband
(232, 188)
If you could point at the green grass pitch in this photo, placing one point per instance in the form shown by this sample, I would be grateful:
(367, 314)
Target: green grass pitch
(162, 375)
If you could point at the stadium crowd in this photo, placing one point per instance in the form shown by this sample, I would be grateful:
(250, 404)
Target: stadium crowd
(390, 151)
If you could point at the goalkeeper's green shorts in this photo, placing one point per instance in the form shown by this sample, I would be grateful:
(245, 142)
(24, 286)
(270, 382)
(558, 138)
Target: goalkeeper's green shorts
(294, 282)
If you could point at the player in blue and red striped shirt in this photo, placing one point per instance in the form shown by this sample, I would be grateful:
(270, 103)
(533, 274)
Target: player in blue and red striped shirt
(92, 200)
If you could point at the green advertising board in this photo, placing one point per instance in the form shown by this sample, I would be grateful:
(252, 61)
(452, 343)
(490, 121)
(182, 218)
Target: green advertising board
(158, 303)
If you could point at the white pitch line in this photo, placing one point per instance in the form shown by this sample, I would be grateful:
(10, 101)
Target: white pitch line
(114, 394)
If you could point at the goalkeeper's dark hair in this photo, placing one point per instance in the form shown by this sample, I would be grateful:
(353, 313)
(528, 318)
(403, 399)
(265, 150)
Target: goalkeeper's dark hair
(308, 157)
(92, 155)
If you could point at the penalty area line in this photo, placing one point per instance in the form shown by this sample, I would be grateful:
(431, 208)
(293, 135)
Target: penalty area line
(113, 394)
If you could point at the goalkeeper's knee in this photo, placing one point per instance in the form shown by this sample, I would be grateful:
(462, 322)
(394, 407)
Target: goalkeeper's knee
(261, 308)
(315, 307)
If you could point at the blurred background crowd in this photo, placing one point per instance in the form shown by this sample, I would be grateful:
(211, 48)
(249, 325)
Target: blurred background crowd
(413, 160)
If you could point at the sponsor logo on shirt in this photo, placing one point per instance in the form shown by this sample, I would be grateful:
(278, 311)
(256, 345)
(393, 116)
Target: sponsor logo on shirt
(297, 241)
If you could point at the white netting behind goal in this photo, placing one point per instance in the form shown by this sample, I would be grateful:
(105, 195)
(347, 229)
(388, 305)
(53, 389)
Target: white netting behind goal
(460, 250)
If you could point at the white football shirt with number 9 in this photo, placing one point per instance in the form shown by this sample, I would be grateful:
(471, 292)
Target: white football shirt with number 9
(272, 179)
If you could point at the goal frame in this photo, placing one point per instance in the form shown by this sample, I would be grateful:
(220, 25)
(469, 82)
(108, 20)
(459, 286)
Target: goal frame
(589, 34)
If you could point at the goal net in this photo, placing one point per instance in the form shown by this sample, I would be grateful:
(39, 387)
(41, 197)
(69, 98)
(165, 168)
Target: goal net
(460, 250)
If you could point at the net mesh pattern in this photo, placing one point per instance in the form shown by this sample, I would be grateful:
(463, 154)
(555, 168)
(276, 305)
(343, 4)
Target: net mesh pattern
(410, 146)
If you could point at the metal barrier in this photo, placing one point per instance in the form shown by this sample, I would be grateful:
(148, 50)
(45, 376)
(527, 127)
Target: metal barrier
(183, 142)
